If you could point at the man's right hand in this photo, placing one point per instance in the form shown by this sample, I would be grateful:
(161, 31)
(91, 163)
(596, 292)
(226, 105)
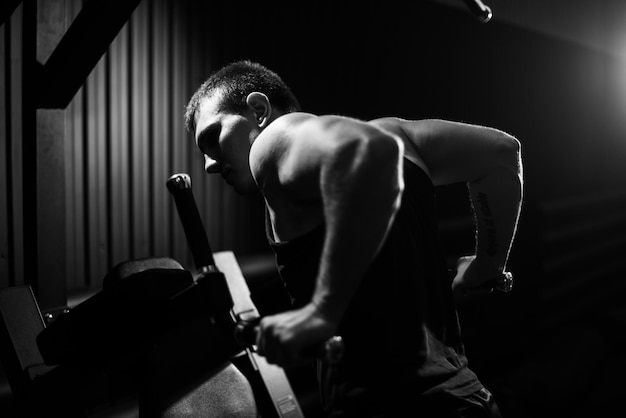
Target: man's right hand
(472, 279)
(294, 337)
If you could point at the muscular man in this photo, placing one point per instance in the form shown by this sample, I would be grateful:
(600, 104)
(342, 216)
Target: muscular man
(351, 217)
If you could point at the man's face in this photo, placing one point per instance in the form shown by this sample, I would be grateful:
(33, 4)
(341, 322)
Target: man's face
(225, 140)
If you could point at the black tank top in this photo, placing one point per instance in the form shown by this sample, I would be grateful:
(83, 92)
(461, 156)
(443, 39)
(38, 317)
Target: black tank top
(401, 322)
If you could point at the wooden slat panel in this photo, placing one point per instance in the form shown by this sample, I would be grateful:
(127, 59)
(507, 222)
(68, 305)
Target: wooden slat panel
(75, 185)
(126, 137)
(50, 187)
(5, 222)
(161, 58)
(180, 148)
(53, 19)
(119, 141)
(15, 138)
(76, 254)
(75, 244)
(97, 159)
(140, 199)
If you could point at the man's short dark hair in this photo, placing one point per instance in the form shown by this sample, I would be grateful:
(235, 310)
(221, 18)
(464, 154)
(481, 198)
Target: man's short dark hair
(235, 81)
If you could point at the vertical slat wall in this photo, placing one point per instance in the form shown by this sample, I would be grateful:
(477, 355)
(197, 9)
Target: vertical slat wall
(11, 193)
(4, 164)
(139, 232)
(125, 137)
(120, 155)
(160, 103)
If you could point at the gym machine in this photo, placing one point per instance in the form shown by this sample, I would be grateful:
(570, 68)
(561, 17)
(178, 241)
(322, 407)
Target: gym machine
(173, 343)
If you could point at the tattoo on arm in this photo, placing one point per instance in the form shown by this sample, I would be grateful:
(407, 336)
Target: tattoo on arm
(487, 217)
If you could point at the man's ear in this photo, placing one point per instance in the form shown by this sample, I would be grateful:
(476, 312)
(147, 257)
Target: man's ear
(261, 106)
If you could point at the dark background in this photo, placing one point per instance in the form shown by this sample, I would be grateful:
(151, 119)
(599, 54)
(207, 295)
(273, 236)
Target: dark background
(553, 345)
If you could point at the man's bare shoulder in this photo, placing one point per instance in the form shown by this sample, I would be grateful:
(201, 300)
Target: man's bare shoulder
(301, 134)
(279, 157)
(282, 125)
(273, 141)
(280, 133)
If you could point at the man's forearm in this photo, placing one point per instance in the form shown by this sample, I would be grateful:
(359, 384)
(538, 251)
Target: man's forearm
(496, 200)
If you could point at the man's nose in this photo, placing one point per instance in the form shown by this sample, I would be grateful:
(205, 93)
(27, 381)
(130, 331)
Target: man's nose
(211, 166)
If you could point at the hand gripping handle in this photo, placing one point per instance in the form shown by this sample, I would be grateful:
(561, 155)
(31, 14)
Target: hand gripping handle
(332, 349)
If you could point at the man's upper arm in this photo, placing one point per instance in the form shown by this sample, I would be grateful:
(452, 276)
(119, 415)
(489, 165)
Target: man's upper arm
(458, 152)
